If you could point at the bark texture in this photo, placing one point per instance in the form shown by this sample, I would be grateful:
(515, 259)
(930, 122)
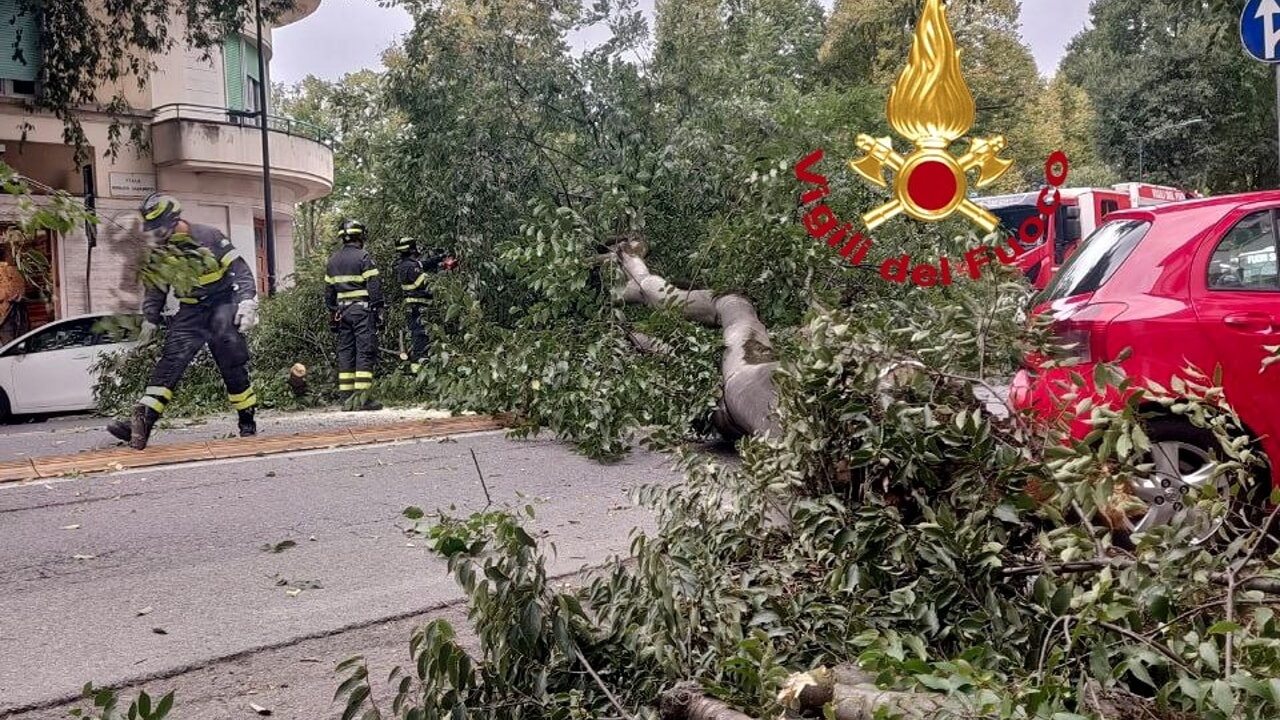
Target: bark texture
(749, 396)
(686, 702)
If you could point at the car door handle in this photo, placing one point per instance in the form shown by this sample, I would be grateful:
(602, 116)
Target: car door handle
(1249, 321)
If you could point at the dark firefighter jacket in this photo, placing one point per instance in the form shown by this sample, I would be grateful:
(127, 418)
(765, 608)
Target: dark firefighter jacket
(351, 276)
(414, 275)
(225, 276)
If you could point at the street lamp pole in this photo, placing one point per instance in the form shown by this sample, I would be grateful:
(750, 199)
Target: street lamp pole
(1143, 138)
(269, 232)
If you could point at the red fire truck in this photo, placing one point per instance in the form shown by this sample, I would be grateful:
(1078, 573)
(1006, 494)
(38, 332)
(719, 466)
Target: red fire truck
(1083, 210)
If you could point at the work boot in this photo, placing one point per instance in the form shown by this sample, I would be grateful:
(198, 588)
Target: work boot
(144, 419)
(248, 426)
(121, 430)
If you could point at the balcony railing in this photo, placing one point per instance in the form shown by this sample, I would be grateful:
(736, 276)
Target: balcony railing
(242, 118)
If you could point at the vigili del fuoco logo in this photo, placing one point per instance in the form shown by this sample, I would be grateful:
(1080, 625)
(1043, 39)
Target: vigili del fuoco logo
(930, 105)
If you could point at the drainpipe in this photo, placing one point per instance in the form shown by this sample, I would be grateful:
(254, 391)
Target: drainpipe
(269, 231)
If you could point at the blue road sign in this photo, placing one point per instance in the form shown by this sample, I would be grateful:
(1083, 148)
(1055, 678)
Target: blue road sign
(1260, 29)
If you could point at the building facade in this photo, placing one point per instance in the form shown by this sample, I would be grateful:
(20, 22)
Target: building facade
(205, 149)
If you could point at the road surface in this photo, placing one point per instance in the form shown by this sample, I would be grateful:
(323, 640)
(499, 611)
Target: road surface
(81, 433)
(166, 576)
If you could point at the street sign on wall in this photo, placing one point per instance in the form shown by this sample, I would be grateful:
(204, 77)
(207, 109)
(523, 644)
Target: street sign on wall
(1260, 29)
(129, 185)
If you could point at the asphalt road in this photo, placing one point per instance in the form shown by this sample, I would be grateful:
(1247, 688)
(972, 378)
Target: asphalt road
(80, 433)
(160, 577)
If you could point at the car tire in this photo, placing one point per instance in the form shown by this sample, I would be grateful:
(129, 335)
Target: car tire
(1183, 455)
(6, 410)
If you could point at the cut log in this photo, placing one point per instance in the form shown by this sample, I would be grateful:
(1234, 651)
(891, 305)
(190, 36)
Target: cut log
(855, 696)
(748, 397)
(686, 702)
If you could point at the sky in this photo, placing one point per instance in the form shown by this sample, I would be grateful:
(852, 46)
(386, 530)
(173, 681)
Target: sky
(348, 35)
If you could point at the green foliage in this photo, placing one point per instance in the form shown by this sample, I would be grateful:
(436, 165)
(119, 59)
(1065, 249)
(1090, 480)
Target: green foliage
(1147, 66)
(105, 706)
(896, 524)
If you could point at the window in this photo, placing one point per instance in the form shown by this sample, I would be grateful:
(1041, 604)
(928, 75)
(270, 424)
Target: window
(64, 336)
(1098, 258)
(1012, 217)
(1246, 258)
(1109, 206)
(19, 49)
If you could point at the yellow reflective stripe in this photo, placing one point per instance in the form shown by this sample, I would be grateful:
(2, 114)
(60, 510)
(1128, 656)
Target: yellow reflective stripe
(346, 386)
(158, 391)
(416, 283)
(164, 205)
(416, 301)
(343, 279)
(240, 396)
(246, 403)
(353, 294)
(363, 384)
(152, 403)
(371, 272)
(364, 374)
(211, 277)
(346, 375)
(230, 257)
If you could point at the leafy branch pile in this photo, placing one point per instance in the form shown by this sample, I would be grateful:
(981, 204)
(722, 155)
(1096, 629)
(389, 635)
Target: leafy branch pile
(898, 525)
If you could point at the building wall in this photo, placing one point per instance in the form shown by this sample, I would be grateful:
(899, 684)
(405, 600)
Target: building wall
(227, 201)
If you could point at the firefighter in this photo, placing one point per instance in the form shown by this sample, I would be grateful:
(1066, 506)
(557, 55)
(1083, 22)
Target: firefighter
(354, 299)
(217, 310)
(414, 273)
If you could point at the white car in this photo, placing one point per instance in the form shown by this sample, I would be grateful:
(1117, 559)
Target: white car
(50, 369)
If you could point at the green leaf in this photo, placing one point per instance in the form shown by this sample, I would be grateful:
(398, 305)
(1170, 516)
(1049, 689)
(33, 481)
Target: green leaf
(1224, 698)
(414, 513)
(356, 702)
(1224, 627)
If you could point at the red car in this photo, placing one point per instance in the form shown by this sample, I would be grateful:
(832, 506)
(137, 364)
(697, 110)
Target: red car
(1189, 283)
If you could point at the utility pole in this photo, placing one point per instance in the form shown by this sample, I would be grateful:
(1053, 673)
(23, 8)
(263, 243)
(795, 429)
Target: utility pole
(269, 232)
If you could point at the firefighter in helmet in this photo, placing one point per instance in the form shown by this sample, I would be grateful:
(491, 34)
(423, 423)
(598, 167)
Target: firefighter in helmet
(218, 308)
(354, 297)
(414, 272)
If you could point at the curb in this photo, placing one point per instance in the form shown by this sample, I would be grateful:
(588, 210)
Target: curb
(100, 461)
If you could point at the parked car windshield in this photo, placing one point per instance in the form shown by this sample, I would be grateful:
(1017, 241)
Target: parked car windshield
(1098, 258)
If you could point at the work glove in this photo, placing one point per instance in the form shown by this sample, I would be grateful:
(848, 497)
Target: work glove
(450, 263)
(246, 315)
(147, 332)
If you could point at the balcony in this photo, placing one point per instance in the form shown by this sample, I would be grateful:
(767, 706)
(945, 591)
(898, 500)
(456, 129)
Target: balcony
(301, 9)
(199, 138)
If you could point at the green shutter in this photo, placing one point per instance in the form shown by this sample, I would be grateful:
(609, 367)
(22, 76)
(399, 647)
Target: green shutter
(19, 42)
(233, 70)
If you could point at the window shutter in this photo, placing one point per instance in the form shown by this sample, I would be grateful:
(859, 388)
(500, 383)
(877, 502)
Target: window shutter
(233, 70)
(19, 42)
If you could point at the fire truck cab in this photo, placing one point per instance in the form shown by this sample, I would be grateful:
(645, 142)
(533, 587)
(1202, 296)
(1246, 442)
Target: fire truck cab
(1083, 210)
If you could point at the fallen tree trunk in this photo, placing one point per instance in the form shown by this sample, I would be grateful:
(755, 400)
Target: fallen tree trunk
(686, 702)
(748, 397)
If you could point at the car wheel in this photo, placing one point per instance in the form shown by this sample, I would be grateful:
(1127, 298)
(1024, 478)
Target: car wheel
(6, 412)
(1183, 459)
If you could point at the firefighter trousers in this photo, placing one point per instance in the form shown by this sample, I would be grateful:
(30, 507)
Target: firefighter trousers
(357, 347)
(210, 322)
(419, 339)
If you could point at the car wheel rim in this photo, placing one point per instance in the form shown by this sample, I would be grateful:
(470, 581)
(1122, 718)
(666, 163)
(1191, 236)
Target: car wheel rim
(1181, 471)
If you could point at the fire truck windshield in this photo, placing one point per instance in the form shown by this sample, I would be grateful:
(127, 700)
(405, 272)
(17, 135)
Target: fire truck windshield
(1012, 217)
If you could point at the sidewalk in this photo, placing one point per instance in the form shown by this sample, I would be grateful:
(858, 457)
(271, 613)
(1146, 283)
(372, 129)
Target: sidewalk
(85, 447)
